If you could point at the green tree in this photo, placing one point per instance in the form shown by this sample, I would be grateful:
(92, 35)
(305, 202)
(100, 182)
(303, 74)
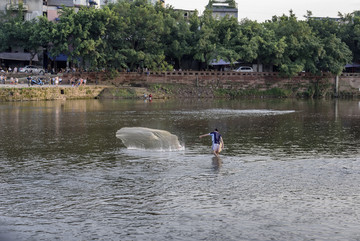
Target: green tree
(11, 27)
(271, 48)
(136, 34)
(323, 27)
(36, 35)
(250, 39)
(28, 35)
(81, 36)
(336, 53)
(227, 31)
(302, 49)
(176, 37)
(140, 35)
(206, 39)
(65, 35)
(350, 33)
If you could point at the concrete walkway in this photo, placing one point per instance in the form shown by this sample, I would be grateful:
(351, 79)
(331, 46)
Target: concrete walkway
(36, 86)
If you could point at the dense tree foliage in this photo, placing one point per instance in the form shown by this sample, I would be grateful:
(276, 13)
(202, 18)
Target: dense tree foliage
(350, 33)
(136, 34)
(28, 35)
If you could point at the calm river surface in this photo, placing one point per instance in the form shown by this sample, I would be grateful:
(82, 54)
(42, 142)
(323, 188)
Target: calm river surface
(290, 171)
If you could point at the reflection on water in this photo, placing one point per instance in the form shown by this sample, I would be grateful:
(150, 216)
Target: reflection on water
(290, 171)
(216, 161)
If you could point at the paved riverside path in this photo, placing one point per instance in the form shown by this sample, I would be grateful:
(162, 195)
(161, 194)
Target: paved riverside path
(36, 86)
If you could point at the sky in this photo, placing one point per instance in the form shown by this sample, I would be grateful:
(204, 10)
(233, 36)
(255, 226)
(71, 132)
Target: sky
(262, 10)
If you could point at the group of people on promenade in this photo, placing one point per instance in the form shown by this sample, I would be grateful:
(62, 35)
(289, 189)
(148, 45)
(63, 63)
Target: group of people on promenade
(9, 70)
(12, 80)
(31, 80)
(51, 81)
(77, 82)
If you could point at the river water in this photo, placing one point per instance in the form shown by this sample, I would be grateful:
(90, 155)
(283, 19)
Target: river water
(290, 170)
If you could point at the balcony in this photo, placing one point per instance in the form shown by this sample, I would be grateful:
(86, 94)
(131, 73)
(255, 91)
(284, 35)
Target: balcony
(10, 6)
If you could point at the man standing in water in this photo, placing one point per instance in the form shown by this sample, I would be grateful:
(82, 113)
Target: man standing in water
(217, 141)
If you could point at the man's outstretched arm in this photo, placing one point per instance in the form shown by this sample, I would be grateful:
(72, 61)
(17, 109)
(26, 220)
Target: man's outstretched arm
(204, 135)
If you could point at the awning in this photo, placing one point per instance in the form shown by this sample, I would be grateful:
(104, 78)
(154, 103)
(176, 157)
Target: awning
(353, 65)
(60, 57)
(221, 62)
(18, 56)
(66, 3)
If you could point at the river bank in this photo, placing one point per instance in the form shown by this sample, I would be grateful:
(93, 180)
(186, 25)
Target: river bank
(186, 84)
(23, 92)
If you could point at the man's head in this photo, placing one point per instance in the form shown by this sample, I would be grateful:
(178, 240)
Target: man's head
(216, 129)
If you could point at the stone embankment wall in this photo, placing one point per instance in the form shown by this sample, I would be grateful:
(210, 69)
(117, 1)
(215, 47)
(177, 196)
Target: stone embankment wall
(189, 84)
(349, 84)
(49, 93)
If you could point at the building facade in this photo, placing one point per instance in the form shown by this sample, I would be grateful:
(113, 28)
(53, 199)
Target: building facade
(32, 8)
(222, 8)
(49, 8)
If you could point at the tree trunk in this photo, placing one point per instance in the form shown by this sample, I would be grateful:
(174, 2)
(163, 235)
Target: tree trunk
(337, 86)
(32, 56)
(179, 62)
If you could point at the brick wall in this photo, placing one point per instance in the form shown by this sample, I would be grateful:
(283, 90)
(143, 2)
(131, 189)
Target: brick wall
(350, 82)
(227, 80)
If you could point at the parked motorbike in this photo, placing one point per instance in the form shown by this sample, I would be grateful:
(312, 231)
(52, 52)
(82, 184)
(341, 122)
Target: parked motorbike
(37, 82)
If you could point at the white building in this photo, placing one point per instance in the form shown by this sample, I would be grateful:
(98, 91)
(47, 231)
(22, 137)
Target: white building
(104, 2)
(222, 8)
(36, 8)
(33, 8)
